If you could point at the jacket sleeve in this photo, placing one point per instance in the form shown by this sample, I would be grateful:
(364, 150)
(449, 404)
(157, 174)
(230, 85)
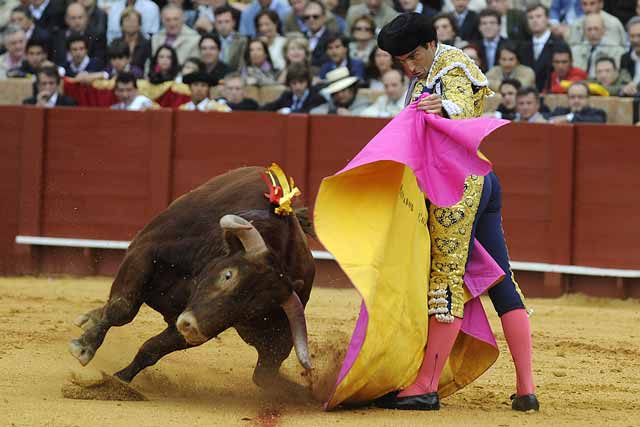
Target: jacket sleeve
(590, 115)
(457, 95)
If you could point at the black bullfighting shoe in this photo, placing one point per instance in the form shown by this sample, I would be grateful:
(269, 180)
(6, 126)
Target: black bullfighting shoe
(528, 402)
(420, 402)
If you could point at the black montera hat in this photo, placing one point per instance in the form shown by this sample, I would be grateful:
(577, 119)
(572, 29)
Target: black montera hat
(405, 33)
(197, 77)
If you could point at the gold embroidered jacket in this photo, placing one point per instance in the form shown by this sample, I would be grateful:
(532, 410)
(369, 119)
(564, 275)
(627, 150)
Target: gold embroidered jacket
(463, 88)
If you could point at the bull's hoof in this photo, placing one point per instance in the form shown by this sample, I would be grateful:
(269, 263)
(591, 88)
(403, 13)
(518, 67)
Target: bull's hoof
(88, 320)
(83, 353)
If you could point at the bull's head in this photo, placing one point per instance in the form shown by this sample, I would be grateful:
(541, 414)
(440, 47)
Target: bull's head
(247, 283)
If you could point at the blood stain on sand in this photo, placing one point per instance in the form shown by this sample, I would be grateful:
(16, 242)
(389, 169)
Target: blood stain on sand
(268, 417)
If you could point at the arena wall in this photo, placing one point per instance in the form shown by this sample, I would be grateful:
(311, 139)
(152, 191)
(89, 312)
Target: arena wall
(101, 174)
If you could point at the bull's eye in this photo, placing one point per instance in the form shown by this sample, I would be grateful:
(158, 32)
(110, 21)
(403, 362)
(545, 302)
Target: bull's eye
(227, 275)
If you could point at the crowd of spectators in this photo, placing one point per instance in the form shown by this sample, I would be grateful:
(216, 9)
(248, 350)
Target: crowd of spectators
(323, 51)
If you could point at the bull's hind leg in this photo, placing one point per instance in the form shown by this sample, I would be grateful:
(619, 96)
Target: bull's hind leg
(154, 349)
(123, 305)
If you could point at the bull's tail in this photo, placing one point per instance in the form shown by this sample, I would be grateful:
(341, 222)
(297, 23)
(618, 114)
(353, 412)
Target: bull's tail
(305, 221)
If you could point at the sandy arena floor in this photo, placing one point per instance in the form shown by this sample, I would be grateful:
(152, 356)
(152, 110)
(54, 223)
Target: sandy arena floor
(586, 360)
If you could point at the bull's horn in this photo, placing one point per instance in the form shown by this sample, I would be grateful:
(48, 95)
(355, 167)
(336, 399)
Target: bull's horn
(245, 231)
(295, 313)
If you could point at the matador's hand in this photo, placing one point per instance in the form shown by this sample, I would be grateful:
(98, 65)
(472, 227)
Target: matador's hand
(431, 104)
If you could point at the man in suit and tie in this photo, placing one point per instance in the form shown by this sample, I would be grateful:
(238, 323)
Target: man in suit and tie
(317, 32)
(537, 51)
(48, 82)
(48, 14)
(232, 44)
(77, 22)
(513, 22)
(614, 34)
(301, 97)
(467, 20)
(176, 34)
(491, 39)
(586, 54)
(21, 16)
(630, 61)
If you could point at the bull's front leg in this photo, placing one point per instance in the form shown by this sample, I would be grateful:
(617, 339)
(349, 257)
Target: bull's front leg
(154, 349)
(271, 337)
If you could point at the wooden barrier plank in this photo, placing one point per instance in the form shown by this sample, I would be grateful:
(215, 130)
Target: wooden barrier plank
(607, 210)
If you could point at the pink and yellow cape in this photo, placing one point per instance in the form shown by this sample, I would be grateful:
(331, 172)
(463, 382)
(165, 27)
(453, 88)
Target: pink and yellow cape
(372, 217)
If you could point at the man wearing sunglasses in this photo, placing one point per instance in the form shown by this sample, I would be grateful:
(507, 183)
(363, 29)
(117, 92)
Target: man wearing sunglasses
(456, 88)
(315, 18)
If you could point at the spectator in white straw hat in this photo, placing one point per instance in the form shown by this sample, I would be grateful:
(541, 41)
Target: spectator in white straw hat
(342, 91)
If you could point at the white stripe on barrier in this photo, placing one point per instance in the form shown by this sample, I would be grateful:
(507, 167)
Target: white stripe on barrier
(324, 255)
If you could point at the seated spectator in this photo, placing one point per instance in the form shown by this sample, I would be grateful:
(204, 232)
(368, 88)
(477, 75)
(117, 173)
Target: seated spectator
(563, 13)
(77, 22)
(232, 44)
(190, 66)
(176, 34)
(205, 24)
(48, 95)
(294, 22)
(164, 65)
(300, 96)
(579, 110)
(509, 67)
(296, 51)
(586, 54)
(210, 56)
(268, 25)
(613, 34)
(380, 62)
(200, 86)
(466, 20)
(80, 61)
(379, 10)
(507, 109)
(528, 106)
(47, 14)
(513, 22)
(417, 7)
(132, 36)
(338, 54)
(148, 10)
(97, 18)
(392, 102)
(563, 69)
(342, 89)
(248, 18)
(21, 16)
(447, 30)
(119, 54)
(126, 92)
(491, 41)
(536, 51)
(203, 17)
(259, 70)
(15, 42)
(234, 96)
(364, 41)
(473, 52)
(474, 5)
(317, 32)
(36, 54)
(631, 60)
(607, 76)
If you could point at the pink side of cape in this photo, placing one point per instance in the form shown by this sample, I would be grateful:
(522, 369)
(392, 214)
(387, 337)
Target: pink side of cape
(441, 153)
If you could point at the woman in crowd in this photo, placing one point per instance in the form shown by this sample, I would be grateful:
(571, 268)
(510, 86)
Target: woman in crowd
(447, 30)
(363, 36)
(164, 65)
(139, 46)
(509, 67)
(259, 70)
(379, 63)
(296, 51)
(268, 26)
(210, 56)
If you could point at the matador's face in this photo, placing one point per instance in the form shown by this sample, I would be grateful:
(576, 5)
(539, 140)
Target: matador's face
(418, 62)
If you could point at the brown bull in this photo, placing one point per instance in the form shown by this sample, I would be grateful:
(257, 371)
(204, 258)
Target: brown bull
(217, 257)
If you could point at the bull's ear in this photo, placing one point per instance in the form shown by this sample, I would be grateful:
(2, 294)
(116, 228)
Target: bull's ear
(237, 229)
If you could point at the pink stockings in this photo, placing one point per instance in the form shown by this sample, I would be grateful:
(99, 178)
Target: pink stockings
(442, 336)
